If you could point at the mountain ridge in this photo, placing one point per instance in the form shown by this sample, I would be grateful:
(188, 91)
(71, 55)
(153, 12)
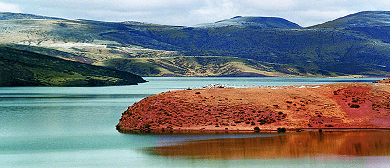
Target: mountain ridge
(261, 22)
(367, 14)
(162, 50)
(360, 19)
(13, 16)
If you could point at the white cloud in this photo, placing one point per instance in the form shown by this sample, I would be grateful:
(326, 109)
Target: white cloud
(212, 11)
(269, 4)
(7, 7)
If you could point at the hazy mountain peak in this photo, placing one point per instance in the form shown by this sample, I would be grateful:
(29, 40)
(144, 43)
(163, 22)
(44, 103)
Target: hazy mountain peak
(360, 19)
(262, 22)
(13, 16)
(137, 23)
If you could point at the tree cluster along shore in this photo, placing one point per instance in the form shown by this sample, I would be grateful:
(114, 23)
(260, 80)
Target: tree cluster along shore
(257, 109)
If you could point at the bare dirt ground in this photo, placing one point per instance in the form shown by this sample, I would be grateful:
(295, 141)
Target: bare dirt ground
(291, 108)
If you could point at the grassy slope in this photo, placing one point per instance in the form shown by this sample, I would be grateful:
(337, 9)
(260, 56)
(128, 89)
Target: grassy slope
(314, 51)
(326, 50)
(207, 66)
(22, 68)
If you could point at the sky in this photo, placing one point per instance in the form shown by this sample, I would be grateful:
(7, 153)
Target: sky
(193, 12)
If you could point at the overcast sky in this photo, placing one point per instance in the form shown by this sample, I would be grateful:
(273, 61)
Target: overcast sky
(192, 12)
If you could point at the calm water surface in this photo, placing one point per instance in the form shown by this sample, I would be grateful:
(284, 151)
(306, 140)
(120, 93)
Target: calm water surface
(75, 127)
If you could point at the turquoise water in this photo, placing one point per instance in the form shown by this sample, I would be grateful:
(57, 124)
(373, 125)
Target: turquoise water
(75, 127)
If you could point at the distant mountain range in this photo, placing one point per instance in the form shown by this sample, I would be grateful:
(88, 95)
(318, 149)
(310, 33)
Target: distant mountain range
(357, 44)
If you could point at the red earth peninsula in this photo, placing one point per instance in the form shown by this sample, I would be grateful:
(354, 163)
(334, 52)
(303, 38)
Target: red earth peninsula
(383, 81)
(291, 108)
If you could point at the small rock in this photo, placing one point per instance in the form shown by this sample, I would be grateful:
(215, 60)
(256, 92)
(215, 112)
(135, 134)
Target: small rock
(354, 106)
(257, 129)
(281, 130)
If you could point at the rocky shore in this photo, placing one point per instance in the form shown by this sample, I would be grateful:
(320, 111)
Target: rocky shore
(257, 109)
(383, 81)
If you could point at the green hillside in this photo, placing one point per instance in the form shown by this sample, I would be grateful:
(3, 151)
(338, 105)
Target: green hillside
(208, 66)
(362, 50)
(356, 44)
(23, 68)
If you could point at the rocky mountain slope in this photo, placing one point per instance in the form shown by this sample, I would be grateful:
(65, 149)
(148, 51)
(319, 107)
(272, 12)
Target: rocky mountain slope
(258, 22)
(23, 68)
(357, 44)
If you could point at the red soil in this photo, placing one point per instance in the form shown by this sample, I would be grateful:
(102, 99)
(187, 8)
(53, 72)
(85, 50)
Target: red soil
(383, 81)
(333, 106)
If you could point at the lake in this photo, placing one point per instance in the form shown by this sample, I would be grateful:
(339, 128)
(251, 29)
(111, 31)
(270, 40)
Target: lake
(75, 127)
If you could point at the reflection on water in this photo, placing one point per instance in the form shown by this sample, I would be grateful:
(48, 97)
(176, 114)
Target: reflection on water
(75, 127)
(306, 144)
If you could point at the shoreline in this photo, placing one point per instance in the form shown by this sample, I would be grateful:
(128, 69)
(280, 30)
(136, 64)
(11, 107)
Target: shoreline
(253, 131)
(340, 106)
